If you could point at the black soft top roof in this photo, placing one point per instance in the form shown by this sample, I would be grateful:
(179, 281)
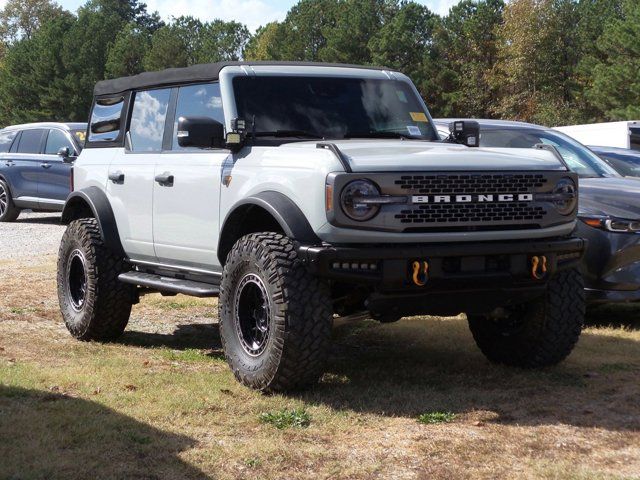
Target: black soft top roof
(194, 74)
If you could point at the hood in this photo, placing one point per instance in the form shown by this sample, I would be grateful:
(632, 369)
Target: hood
(373, 155)
(617, 197)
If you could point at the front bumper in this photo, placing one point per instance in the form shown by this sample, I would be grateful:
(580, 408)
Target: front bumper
(611, 265)
(461, 276)
(482, 261)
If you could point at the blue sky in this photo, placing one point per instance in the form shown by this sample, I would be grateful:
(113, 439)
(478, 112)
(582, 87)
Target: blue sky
(251, 12)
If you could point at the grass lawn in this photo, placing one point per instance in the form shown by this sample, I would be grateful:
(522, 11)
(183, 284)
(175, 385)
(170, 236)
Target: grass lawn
(414, 399)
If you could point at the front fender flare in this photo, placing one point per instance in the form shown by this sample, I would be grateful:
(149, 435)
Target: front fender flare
(96, 200)
(285, 212)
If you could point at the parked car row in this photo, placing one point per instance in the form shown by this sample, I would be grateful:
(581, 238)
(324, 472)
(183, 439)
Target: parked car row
(298, 191)
(35, 166)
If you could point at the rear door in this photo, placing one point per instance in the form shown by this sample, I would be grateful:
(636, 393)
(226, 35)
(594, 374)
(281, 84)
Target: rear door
(7, 137)
(131, 173)
(26, 168)
(186, 209)
(55, 186)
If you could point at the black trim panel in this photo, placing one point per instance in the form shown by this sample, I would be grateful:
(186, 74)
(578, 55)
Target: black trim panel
(97, 201)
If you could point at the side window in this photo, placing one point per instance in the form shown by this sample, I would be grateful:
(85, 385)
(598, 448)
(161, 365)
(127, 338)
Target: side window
(6, 139)
(148, 119)
(56, 140)
(198, 101)
(105, 119)
(30, 141)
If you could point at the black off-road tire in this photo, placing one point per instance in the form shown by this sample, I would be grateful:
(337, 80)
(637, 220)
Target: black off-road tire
(297, 313)
(99, 311)
(540, 333)
(8, 211)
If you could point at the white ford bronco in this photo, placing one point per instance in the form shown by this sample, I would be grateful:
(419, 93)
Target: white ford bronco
(301, 192)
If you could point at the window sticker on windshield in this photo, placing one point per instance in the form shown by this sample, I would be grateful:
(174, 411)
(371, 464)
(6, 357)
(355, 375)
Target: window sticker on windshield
(81, 136)
(401, 96)
(418, 117)
(413, 130)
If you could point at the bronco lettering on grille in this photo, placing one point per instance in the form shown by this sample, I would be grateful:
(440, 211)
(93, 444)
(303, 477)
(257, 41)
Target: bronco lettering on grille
(476, 198)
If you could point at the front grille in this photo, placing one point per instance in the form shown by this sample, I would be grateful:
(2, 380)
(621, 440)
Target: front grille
(471, 184)
(479, 212)
(456, 201)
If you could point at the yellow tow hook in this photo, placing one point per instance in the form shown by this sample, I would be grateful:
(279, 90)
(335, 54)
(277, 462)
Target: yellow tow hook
(420, 273)
(539, 267)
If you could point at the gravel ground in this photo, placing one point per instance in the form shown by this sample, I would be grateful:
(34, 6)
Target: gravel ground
(32, 234)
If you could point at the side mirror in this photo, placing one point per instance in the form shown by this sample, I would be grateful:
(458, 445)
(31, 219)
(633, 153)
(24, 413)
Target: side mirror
(200, 132)
(465, 132)
(66, 154)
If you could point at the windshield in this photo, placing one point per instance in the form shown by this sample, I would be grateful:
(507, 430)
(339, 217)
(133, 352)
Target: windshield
(627, 165)
(331, 108)
(579, 158)
(80, 137)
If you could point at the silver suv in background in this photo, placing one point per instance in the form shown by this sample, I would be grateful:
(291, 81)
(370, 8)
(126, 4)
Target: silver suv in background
(35, 166)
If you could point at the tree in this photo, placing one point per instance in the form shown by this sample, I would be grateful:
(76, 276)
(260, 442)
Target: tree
(265, 44)
(22, 18)
(405, 42)
(615, 88)
(126, 55)
(355, 23)
(466, 42)
(537, 59)
(222, 41)
(32, 76)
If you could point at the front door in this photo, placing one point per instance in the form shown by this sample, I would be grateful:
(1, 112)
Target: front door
(131, 174)
(54, 185)
(186, 193)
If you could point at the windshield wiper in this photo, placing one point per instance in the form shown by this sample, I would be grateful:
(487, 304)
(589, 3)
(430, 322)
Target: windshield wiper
(287, 133)
(377, 134)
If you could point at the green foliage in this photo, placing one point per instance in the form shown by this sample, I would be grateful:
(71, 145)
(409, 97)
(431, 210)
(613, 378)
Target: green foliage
(430, 418)
(127, 53)
(615, 89)
(22, 18)
(286, 418)
(545, 61)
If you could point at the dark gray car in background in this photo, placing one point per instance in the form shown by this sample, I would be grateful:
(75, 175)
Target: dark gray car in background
(626, 162)
(609, 207)
(35, 166)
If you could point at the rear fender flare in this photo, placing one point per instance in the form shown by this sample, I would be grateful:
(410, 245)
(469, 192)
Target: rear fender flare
(81, 201)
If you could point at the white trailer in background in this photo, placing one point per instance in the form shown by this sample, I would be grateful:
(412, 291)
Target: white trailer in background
(608, 134)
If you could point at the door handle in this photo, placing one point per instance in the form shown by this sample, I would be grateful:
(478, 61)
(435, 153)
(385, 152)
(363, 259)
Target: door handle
(165, 179)
(46, 165)
(117, 177)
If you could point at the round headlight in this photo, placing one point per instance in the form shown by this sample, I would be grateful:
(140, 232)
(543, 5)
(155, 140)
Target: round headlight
(353, 200)
(568, 198)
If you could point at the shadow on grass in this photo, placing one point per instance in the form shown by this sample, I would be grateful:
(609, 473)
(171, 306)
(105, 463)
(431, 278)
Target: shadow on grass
(626, 315)
(423, 365)
(47, 435)
(403, 370)
(184, 337)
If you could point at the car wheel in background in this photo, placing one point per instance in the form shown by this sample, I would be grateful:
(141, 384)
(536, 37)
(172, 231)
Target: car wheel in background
(8, 211)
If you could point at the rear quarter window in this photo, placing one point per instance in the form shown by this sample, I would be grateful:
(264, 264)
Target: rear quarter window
(106, 119)
(6, 139)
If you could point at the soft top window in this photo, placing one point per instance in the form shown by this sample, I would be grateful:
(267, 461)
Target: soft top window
(106, 119)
